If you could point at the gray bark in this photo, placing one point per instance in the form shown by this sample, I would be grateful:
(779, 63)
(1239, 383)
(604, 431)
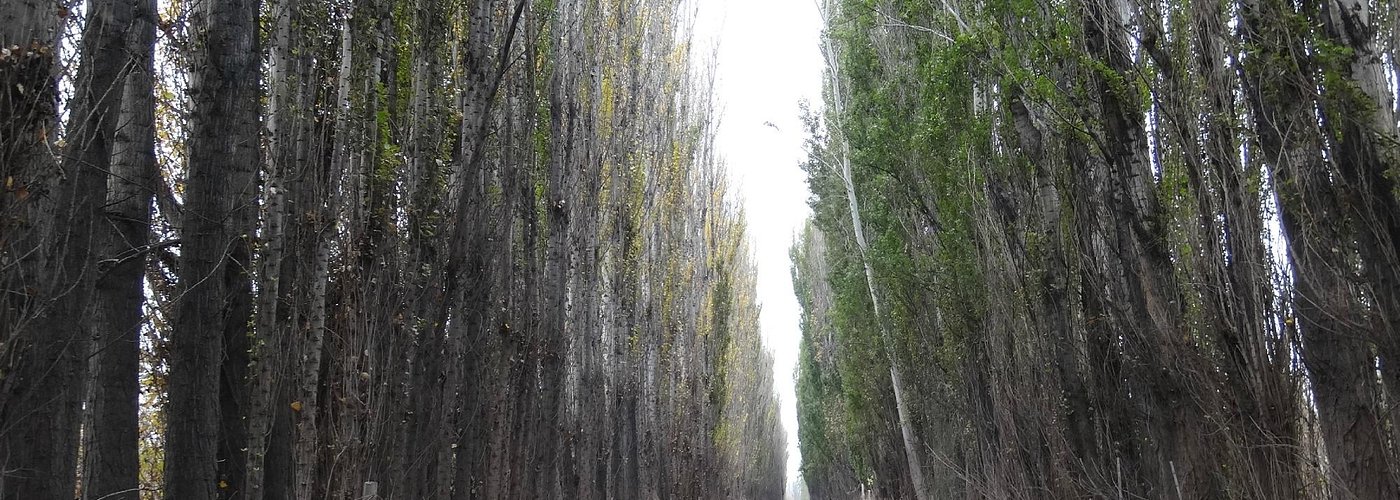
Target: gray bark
(268, 344)
(223, 157)
(43, 395)
(1334, 345)
(111, 464)
(1362, 136)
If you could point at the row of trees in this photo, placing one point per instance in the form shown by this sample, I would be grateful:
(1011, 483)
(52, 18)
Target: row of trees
(1103, 248)
(371, 249)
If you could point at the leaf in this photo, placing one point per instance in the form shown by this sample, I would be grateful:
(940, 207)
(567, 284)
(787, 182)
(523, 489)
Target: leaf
(296, 405)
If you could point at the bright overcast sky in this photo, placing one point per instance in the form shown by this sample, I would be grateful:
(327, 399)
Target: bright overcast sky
(768, 60)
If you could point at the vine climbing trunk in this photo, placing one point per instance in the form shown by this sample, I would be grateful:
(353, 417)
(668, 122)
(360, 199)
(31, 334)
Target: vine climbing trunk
(1362, 137)
(1334, 347)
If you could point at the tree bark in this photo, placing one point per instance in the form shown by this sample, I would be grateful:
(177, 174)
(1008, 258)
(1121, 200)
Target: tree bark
(111, 464)
(43, 398)
(1362, 137)
(211, 310)
(269, 345)
(1279, 85)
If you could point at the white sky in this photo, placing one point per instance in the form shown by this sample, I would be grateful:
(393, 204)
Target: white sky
(768, 58)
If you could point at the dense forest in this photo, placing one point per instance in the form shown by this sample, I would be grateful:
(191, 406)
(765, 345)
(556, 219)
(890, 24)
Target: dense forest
(1103, 249)
(371, 249)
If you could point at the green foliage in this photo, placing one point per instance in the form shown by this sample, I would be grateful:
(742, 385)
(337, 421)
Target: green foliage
(1059, 208)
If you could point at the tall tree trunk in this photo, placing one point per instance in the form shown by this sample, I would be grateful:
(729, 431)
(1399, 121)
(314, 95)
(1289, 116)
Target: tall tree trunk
(111, 463)
(1146, 306)
(1227, 277)
(27, 122)
(1362, 136)
(1258, 366)
(309, 387)
(212, 307)
(269, 345)
(1279, 78)
(43, 397)
(322, 202)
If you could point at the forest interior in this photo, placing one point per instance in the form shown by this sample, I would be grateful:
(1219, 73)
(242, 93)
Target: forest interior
(1103, 249)
(412, 249)
(364, 249)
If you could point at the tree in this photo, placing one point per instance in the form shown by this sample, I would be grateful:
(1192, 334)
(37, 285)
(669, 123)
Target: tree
(111, 465)
(208, 340)
(41, 412)
(912, 449)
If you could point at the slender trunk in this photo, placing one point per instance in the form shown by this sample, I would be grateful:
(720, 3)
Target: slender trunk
(315, 238)
(410, 470)
(268, 344)
(309, 389)
(912, 450)
(111, 463)
(234, 393)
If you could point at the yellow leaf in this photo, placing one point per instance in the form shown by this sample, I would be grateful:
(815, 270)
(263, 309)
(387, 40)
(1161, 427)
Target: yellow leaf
(223, 485)
(296, 405)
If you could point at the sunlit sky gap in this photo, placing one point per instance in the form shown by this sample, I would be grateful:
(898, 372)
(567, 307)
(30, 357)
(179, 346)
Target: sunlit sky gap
(767, 60)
